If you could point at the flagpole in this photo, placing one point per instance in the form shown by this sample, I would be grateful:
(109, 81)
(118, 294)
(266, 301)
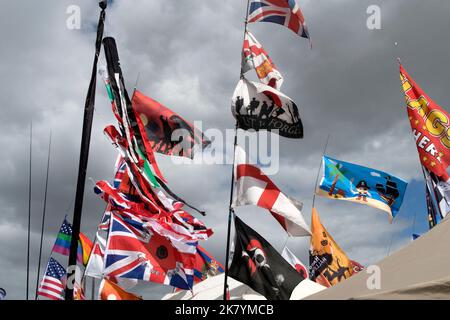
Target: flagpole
(43, 216)
(230, 209)
(84, 154)
(29, 211)
(318, 171)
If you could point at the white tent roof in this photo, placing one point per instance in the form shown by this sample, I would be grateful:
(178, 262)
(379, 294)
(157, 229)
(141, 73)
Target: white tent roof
(419, 271)
(212, 289)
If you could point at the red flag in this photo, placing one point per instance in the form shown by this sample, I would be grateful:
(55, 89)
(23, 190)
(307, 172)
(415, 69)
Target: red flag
(430, 126)
(157, 124)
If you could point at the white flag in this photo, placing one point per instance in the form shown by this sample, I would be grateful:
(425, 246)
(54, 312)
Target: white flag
(295, 262)
(253, 187)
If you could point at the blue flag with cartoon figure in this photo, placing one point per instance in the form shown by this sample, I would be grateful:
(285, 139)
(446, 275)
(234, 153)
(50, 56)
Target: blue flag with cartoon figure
(351, 182)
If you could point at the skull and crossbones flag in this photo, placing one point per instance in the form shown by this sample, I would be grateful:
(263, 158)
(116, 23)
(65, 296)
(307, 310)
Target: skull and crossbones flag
(257, 264)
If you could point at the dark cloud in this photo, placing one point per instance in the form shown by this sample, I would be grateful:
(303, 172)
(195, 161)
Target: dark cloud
(188, 56)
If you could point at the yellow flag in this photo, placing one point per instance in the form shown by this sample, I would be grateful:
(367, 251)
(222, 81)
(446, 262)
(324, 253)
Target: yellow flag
(328, 263)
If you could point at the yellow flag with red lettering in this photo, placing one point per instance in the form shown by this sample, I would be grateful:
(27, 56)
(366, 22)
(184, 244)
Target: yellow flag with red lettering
(430, 126)
(328, 264)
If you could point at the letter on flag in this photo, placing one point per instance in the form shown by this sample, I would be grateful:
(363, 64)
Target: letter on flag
(430, 126)
(348, 181)
(160, 126)
(253, 187)
(260, 107)
(284, 12)
(257, 264)
(328, 264)
(255, 57)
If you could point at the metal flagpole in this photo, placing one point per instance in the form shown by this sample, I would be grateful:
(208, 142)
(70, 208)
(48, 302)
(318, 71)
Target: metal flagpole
(318, 171)
(84, 155)
(43, 217)
(230, 209)
(29, 212)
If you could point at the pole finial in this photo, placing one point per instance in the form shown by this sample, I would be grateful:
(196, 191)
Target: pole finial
(103, 4)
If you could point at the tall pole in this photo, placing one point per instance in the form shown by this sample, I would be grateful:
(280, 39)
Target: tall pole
(84, 155)
(43, 217)
(29, 213)
(230, 209)
(318, 171)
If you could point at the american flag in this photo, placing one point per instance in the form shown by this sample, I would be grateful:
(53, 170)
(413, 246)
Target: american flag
(284, 12)
(52, 284)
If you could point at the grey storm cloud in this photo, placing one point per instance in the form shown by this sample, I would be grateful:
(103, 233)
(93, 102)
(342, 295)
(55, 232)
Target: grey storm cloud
(187, 55)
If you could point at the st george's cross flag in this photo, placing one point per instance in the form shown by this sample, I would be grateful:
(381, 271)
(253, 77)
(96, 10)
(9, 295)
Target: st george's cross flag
(253, 187)
(430, 126)
(255, 57)
(260, 107)
(295, 262)
(135, 252)
(283, 12)
(257, 264)
(52, 285)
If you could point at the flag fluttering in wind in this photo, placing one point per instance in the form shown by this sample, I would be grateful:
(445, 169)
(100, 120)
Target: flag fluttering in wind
(108, 290)
(328, 264)
(295, 262)
(257, 264)
(166, 131)
(441, 192)
(205, 265)
(255, 57)
(430, 126)
(348, 181)
(62, 243)
(52, 285)
(284, 12)
(253, 187)
(134, 252)
(260, 107)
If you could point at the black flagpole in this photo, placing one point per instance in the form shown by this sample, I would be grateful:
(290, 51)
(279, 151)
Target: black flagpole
(43, 216)
(230, 209)
(84, 154)
(29, 212)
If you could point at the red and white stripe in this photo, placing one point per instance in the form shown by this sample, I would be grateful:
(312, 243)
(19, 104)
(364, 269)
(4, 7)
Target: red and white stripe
(51, 288)
(253, 187)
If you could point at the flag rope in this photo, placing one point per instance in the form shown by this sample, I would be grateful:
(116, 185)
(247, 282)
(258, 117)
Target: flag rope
(43, 216)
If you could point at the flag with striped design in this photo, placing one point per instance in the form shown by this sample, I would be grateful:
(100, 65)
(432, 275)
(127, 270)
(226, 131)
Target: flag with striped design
(52, 285)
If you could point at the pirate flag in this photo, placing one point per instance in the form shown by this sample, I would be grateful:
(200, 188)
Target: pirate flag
(257, 264)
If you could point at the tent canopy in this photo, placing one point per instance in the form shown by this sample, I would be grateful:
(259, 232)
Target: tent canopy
(419, 271)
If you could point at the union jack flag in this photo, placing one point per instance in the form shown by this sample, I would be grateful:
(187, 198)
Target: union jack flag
(134, 252)
(284, 12)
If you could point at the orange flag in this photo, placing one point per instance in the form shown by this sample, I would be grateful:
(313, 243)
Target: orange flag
(328, 263)
(111, 291)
